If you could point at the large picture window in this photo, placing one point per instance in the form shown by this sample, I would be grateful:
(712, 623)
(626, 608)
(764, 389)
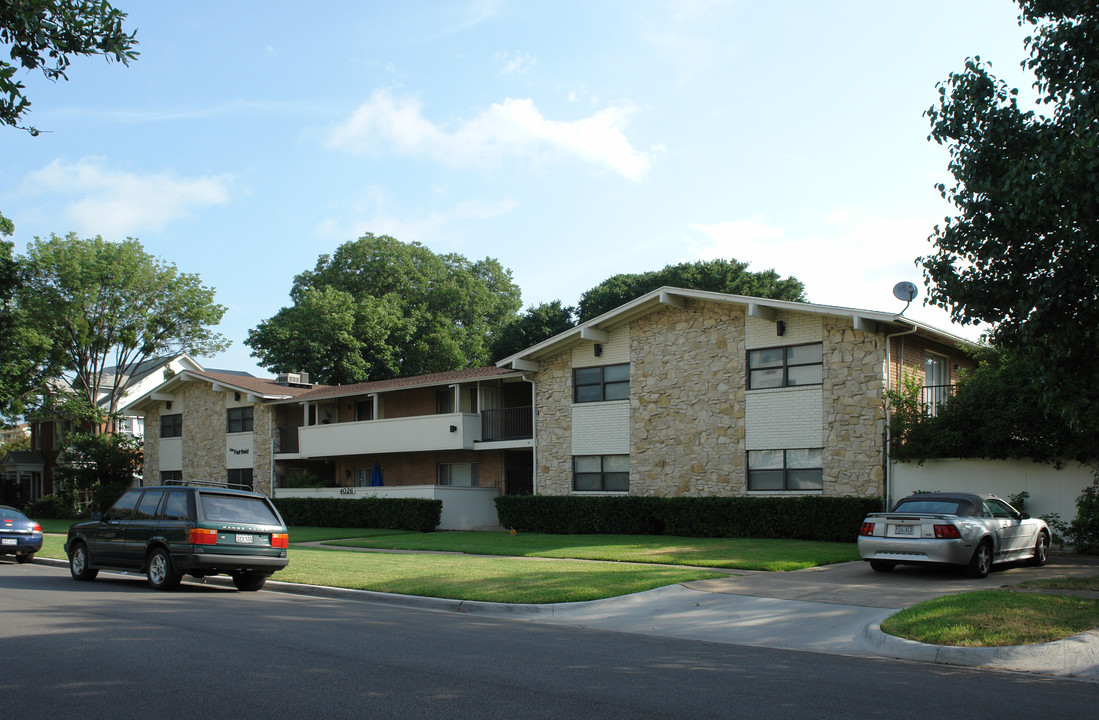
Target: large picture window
(595, 384)
(239, 419)
(601, 473)
(778, 470)
(459, 474)
(787, 366)
(171, 425)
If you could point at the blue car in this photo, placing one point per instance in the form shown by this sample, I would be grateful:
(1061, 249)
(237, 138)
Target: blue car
(19, 535)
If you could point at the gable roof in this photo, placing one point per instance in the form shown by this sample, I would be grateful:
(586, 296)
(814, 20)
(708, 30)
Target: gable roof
(595, 330)
(257, 389)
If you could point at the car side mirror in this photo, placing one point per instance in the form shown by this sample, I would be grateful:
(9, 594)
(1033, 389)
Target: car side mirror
(1024, 516)
(97, 516)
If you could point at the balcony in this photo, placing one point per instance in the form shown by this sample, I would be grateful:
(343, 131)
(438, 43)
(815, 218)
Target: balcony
(507, 424)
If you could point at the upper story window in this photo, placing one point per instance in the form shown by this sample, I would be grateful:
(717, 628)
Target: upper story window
(787, 366)
(607, 382)
(239, 419)
(171, 425)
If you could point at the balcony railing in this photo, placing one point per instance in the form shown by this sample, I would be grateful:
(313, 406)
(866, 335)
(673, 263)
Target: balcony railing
(933, 396)
(507, 424)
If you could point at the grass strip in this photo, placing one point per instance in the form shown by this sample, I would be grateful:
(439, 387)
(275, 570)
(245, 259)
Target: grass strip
(994, 618)
(731, 553)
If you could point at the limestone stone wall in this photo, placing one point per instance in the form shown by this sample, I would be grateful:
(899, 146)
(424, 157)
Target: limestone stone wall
(151, 447)
(854, 410)
(687, 401)
(553, 425)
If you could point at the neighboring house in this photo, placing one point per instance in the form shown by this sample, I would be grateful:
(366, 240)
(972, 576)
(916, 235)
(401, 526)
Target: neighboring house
(693, 393)
(32, 472)
(677, 393)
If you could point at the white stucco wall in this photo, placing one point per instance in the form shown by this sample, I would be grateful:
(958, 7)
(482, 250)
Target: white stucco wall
(1051, 490)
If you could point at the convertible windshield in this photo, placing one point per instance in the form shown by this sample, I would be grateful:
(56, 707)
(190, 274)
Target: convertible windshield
(940, 507)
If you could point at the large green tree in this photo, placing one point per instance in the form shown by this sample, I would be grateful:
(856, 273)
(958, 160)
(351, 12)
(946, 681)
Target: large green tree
(726, 276)
(46, 35)
(24, 356)
(1022, 252)
(538, 323)
(379, 308)
(103, 304)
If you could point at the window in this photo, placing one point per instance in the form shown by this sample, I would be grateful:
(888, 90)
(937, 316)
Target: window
(170, 477)
(786, 366)
(364, 410)
(171, 425)
(179, 506)
(239, 478)
(595, 384)
(123, 509)
(777, 470)
(601, 473)
(239, 419)
(459, 474)
(146, 509)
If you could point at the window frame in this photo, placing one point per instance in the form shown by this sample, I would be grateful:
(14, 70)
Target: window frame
(786, 366)
(602, 384)
(604, 474)
(442, 469)
(785, 471)
(240, 474)
(247, 418)
(174, 426)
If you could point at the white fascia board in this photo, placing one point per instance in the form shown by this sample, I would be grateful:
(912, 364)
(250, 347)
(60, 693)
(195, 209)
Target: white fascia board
(594, 334)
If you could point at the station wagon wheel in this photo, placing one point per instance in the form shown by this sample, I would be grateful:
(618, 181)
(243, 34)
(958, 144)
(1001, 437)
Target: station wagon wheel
(1041, 550)
(160, 573)
(78, 563)
(981, 563)
(249, 582)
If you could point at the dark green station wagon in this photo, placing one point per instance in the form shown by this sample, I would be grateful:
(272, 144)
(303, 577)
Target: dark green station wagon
(175, 530)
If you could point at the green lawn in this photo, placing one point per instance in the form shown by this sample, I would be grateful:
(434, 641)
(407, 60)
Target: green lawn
(730, 553)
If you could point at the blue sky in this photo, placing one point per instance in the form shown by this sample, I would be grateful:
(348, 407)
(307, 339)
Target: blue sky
(569, 140)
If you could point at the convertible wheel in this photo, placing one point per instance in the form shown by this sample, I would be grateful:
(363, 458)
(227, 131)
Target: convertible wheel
(160, 573)
(249, 582)
(24, 557)
(883, 565)
(78, 563)
(981, 563)
(1041, 550)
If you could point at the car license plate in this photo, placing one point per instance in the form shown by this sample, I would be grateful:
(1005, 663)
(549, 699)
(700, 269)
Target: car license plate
(9, 541)
(245, 539)
(904, 530)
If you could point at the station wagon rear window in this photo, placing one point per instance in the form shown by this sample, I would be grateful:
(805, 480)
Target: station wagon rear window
(237, 509)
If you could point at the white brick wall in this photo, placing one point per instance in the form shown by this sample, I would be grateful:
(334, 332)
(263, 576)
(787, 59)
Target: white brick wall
(601, 428)
(615, 351)
(800, 328)
(784, 418)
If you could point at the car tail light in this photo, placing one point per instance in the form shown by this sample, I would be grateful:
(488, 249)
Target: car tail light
(202, 536)
(867, 529)
(37, 528)
(279, 540)
(947, 532)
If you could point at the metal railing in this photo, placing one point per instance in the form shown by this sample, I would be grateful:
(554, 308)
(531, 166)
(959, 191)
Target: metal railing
(507, 424)
(933, 396)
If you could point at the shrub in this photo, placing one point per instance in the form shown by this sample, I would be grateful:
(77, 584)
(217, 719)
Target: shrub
(834, 519)
(1084, 530)
(385, 513)
(50, 507)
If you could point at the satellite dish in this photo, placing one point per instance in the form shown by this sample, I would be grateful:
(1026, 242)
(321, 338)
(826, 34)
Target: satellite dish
(905, 291)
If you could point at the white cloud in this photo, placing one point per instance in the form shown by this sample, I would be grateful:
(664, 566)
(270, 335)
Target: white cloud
(849, 261)
(98, 200)
(513, 62)
(513, 128)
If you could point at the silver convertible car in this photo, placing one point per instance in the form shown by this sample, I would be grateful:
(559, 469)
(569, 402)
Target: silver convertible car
(968, 529)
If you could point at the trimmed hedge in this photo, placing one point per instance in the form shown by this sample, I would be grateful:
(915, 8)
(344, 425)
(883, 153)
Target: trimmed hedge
(370, 512)
(833, 519)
